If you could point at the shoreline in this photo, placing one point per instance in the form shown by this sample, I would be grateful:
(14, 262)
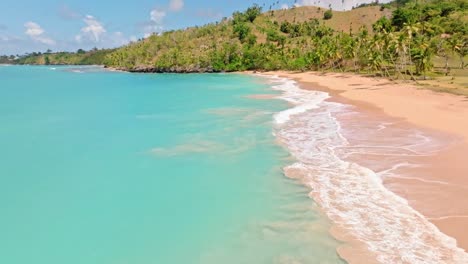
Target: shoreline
(439, 114)
(429, 109)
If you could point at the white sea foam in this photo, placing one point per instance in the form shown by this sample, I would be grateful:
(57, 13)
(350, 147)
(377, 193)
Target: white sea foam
(352, 195)
(293, 94)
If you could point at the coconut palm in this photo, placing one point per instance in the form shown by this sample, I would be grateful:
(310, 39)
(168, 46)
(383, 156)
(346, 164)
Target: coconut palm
(408, 31)
(422, 55)
(459, 46)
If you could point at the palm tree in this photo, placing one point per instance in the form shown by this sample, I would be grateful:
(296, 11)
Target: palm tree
(458, 45)
(423, 58)
(402, 53)
(390, 51)
(442, 49)
(362, 46)
(375, 54)
(408, 31)
(349, 47)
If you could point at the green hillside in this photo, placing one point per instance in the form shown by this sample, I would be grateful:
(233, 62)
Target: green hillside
(399, 41)
(249, 41)
(408, 39)
(81, 57)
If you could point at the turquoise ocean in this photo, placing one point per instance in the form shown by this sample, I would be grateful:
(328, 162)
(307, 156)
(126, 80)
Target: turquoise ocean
(101, 167)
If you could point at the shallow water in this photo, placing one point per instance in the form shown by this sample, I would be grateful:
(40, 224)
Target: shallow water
(342, 156)
(107, 167)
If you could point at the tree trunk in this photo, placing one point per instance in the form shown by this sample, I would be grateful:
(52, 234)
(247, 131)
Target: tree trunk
(446, 65)
(411, 61)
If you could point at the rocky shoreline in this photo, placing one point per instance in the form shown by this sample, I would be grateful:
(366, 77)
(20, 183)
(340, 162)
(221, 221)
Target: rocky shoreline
(174, 69)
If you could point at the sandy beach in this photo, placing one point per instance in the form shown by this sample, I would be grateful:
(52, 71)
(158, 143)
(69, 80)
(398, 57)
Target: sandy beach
(424, 108)
(434, 181)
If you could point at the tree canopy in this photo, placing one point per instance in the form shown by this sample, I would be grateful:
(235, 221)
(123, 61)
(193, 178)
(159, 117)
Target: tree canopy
(399, 45)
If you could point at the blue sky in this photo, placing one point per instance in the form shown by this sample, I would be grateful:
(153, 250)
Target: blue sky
(68, 25)
(32, 25)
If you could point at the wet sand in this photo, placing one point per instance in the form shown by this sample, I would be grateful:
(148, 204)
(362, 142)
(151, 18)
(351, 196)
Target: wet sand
(424, 108)
(434, 181)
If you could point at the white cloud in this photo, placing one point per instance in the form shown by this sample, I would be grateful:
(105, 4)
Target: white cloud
(157, 16)
(94, 34)
(36, 33)
(118, 39)
(155, 25)
(93, 30)
(33, 29)
(284, 6)
(176, 5)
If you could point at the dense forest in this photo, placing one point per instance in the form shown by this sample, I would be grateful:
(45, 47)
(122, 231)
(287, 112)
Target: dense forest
(397, 40)
(401, 44)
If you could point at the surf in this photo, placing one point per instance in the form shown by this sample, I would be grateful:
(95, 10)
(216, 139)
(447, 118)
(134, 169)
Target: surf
(351, 195)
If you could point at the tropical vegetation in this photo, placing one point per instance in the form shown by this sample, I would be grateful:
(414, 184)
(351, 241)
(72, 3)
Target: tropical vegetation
(397, 40)
(400, 45)
(80, 57)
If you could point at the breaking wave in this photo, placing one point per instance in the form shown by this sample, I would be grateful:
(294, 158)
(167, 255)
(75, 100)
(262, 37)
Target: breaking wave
(353, 196)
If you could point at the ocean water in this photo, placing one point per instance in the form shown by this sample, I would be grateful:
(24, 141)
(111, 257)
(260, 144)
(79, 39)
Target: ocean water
(343, 155)
(102, 167)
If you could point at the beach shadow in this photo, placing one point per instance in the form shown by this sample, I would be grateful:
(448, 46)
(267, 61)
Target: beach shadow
(382, 84)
